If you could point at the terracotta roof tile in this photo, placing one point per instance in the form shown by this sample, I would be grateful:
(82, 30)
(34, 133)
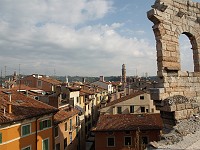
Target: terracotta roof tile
(71, 88)
(22, 107)
(63, 114)
(50, 80)
(122, 122)
(22, 87)
(87, 92)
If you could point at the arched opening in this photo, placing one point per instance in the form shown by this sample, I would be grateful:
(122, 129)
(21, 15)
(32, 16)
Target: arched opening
(186, 53)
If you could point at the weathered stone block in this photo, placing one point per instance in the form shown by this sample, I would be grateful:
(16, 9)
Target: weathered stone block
(183, 73)
(196, 110)
(190, 112)
(168, 108)
(188, 106)
(182, 114)
(180, 107)
(156, 93)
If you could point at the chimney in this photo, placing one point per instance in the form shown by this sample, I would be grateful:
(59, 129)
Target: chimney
(10, 98)
(101, 78)
(4, 111)
(9, 104)
(9, 108)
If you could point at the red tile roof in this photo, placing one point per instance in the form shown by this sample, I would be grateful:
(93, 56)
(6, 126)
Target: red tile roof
(22, 87)
(87, 92)
(71, 88)
(127, 97)
(22, 107)
(64, 114)
(116, 83)
(121, 122)
(50, 80)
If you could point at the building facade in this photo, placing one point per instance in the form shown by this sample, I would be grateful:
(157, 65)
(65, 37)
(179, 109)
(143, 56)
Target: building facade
(138, 102)
(127, 131)
(26, 124)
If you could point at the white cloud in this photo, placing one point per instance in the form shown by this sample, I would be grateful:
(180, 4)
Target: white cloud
(39, 12)
(43, 35)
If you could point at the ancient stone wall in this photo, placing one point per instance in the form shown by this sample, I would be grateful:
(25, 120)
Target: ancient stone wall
(172, 18)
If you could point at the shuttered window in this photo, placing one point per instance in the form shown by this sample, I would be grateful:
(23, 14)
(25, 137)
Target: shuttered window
(26, 129)
(45, 124)
(45, 144)
(70, 127)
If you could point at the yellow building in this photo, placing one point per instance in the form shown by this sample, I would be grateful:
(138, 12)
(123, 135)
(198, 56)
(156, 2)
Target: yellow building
(66, 131)
(25, 124)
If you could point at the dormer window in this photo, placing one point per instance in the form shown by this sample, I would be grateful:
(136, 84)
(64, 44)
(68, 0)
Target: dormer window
(141, 97)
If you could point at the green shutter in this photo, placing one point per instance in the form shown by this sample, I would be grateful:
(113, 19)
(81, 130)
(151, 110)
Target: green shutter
(23, 130)
(41, 125)
(49, 123)
(0, 137)
(46, 144)
(70, 124)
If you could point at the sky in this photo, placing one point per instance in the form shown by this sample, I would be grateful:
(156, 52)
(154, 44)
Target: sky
(79, 37)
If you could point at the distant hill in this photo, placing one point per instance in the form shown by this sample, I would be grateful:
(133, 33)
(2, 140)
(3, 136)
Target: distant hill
(87, 79)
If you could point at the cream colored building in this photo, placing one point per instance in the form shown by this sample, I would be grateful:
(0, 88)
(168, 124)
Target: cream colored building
(67, 129)
(138, 102)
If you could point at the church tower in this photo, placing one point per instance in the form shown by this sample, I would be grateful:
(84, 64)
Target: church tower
(123, 73)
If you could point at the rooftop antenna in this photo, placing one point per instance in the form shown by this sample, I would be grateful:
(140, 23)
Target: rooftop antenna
(136, 72)
(1, 78)
(54, 72)
(5, 71)
(19, 79)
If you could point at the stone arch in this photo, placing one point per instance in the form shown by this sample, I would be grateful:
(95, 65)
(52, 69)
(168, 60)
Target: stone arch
(172, 18)
(191, 34)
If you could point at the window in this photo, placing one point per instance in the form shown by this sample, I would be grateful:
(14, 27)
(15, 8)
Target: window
(141, 97)
(39, 83)
(27, 148)
(70, 137)
(77, 130)
(57, 146)
(131, 109)
(0, 137)
(127, 140)
(77, 99)
(45, 124)
(45, 144)
(65, 126)
(147, 110)
(119, 110)
(70, 127)
(26, 129)
(77, 120)
(56, 131)
(142, 109)
(144, 140)
(111, 142)
(152, 110)
(65, 143)
(64, 96)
